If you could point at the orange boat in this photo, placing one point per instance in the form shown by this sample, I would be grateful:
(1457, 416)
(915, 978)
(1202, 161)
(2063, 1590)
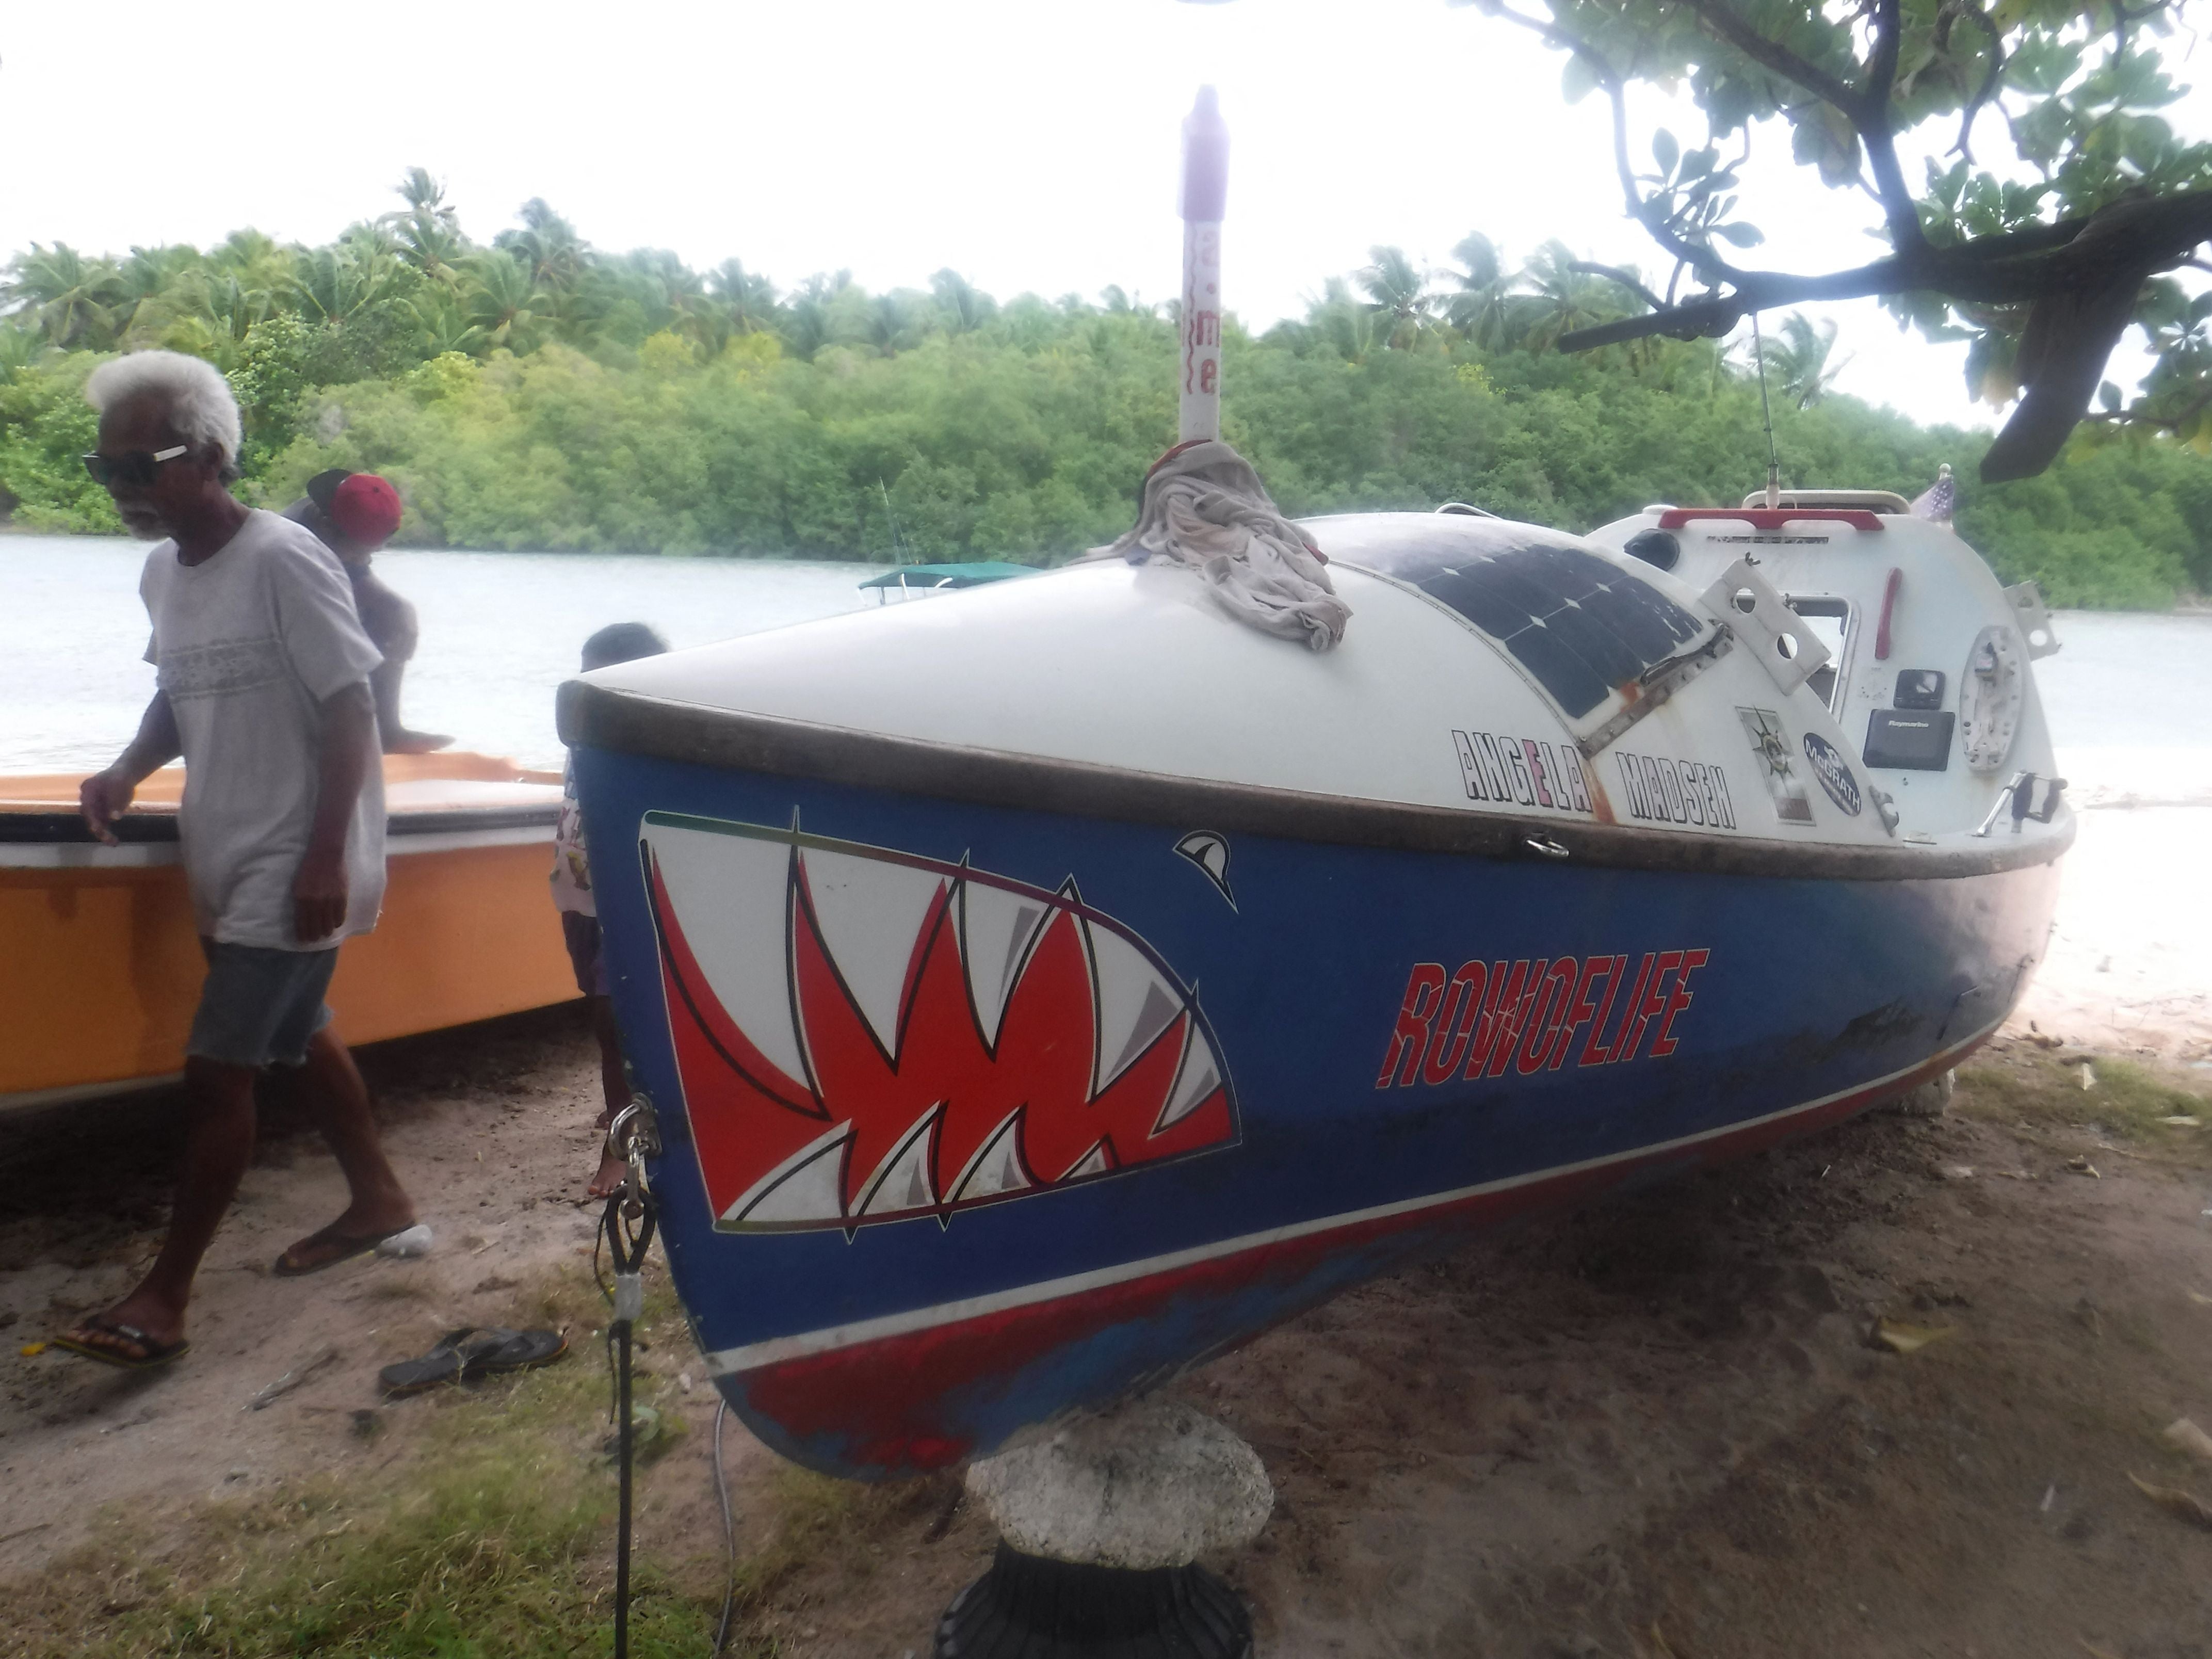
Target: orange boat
(100, 969)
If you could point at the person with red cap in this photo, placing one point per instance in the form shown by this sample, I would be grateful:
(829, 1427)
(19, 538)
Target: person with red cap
(353, 514)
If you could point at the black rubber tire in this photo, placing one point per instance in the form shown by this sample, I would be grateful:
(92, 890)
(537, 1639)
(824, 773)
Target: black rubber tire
(1027, 1607)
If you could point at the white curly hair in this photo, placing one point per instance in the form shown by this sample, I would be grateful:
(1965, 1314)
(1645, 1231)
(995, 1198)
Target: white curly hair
(192, 390)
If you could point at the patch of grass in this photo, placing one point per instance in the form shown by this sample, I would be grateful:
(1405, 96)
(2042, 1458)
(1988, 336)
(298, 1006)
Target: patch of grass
(2126, 1105)
(491, 1539)
(836, 1525)
(490, 1536)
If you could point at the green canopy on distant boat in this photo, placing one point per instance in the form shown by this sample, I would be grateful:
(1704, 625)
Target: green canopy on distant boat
(971, 575)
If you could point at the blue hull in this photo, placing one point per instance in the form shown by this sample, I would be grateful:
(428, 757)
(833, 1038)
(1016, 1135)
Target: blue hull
(1379, 1051)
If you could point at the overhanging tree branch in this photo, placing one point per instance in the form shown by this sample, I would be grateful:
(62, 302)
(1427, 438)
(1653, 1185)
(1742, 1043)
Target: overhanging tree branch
(1772, 54)
(1627, 279)
(1871, 120)
(1989, 78)
(2015, 268)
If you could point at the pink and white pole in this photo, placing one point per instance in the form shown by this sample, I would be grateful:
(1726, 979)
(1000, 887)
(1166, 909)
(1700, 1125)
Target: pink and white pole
(1205, 194)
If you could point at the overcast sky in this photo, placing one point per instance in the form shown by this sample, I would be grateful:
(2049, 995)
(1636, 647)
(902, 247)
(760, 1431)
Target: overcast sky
(1030, 144)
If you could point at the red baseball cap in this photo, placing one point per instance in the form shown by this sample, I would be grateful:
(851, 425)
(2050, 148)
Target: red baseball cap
(366, 509)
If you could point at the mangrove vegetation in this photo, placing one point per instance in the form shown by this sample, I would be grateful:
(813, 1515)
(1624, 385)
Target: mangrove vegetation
(535, 392)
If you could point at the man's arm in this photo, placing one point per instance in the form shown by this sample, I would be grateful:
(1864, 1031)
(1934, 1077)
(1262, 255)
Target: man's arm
(106, 796)
(349, 749)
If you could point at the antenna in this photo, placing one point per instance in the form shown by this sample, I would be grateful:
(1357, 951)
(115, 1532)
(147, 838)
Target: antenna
(898, 550)
(1205, 194)
(1773, 461)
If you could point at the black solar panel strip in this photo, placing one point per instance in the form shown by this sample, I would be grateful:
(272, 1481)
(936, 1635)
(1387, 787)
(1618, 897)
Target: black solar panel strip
(1580, 625)
(1558, 668)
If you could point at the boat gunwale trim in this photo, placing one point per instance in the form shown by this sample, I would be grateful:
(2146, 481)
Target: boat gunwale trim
(158, 827)
(660, 728)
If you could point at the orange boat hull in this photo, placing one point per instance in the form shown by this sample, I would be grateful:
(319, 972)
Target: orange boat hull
(100, 966)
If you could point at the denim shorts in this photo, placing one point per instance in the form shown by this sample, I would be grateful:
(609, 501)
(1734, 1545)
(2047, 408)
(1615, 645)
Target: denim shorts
(260, 1005)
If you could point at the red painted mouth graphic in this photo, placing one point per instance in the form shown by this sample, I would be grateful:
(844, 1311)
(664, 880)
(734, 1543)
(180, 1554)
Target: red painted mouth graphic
(864, 1036)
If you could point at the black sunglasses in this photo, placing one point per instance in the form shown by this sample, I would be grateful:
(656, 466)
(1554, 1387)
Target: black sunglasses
(134, 467)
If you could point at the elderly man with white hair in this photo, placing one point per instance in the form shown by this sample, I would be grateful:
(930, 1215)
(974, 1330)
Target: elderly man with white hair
(263, 673)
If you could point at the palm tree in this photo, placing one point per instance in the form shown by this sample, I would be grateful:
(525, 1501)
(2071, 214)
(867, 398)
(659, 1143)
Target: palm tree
(20, 348)
(1398, 290)
(1484, 304)
(429, 229)
(808, 325)
(444, 324)
(502, 301)
(547, 246)
(1350, 329)
(1118, 303)
(1562, 299)
(68, 298)
(253, 259)
(233, 307)
(747, 299)
(158, 288)
(895, 321)
(358, 276)
(965, 306)
(1799, 360)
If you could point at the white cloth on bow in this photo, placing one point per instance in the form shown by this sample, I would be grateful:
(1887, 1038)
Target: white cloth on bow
(1203, 507)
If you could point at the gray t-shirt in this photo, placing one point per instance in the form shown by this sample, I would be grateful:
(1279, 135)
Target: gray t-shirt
(247, 645)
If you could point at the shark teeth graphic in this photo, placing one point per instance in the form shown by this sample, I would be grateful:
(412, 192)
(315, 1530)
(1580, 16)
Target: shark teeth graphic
(864, 1036)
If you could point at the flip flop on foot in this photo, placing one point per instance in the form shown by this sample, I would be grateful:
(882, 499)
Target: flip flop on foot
(328, 1247)
(83, 1341)
(473, 1350)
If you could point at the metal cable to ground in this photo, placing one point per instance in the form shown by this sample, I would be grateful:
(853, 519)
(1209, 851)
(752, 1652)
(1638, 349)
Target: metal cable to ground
(729, 1531)
(627, 1248)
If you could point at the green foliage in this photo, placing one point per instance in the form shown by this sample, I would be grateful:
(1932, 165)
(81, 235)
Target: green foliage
(46, 427)
(541, 394)
(2052, 108)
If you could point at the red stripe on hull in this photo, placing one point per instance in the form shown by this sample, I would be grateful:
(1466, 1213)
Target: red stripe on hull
(884, 1402)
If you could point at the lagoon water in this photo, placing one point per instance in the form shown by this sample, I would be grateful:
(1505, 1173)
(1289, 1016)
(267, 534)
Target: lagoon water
(499, 632)
(502, 630)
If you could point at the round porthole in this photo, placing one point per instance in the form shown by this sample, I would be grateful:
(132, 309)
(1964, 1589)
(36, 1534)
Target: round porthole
(1655, 547)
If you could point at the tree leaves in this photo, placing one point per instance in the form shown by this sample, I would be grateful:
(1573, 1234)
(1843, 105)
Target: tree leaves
(2065, 96)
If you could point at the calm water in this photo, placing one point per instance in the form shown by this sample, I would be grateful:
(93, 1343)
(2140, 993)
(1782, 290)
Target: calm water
(502, 630)
(499, 632)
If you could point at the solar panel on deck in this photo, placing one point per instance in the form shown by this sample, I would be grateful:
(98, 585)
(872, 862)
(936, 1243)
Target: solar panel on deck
(1580, 625)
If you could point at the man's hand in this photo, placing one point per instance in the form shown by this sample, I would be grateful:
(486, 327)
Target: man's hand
(319, 896)
(103, 797)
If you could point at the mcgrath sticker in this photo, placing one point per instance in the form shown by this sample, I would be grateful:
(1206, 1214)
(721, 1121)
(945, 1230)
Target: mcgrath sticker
(1770, 741)
(1833, 772)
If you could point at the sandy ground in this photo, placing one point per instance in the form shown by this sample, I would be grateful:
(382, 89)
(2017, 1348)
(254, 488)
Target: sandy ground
(2130, 969)
(1652, 1429)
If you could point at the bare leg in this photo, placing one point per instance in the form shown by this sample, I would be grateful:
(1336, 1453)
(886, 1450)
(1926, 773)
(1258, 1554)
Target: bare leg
(384, 681)
(218, 1144)
(615, 1086)
(338, 1101)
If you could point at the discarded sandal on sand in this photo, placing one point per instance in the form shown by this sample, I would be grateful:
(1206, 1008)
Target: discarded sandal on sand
(472, 1352)
(328, 1247)
(151, 1354)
